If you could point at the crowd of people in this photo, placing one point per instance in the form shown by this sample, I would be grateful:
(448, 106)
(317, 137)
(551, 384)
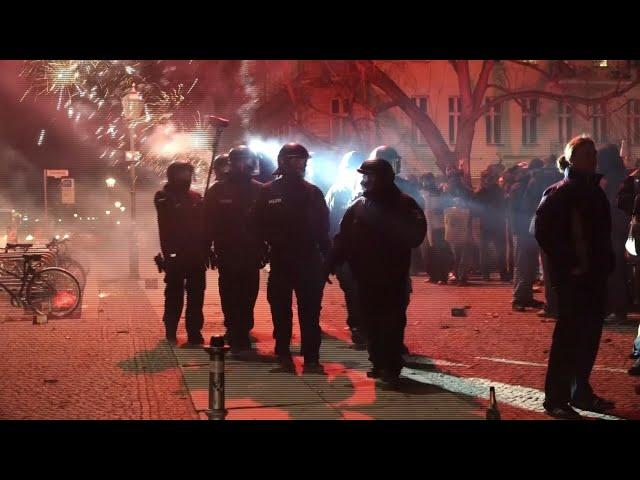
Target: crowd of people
(553, 221)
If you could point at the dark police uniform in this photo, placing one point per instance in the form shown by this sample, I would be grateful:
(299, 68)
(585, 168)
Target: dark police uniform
(230, 227)
(180, 224)
(376, 236)
(293, 218)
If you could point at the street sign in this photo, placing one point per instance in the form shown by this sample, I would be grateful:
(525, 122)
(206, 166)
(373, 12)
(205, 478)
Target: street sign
(57, 173)
(67, 186)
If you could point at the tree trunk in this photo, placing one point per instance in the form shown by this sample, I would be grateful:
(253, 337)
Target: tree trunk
(444, 156)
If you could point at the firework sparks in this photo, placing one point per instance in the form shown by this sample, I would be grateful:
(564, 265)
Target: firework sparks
(90, 93)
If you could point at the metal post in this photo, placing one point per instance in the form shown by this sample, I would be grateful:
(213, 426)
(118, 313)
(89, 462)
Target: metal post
(216, 351)
(133, 250)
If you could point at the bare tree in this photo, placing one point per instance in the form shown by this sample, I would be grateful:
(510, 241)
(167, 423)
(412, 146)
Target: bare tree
(475, 104)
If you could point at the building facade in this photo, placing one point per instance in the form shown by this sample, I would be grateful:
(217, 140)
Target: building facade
(332, 106)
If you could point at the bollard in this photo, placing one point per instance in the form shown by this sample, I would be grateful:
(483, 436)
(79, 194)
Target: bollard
(216, 352)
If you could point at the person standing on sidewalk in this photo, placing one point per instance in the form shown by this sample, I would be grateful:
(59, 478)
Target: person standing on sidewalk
(376, 236)
(526, 248)
(457, 201)
(611, 166)
(338, 199)
(541, 179)
(182, 241)
(573, 227)
(293, 219)
(491, 209)
(230, 228)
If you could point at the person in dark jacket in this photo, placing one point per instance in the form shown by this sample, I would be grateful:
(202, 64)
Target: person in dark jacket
(541, 179)
(338, 198)
(182, 240)
(293, 219)
(239, 255)
(573, 227)
(525, 246)
(407, 187)
(611, 166)
(457, 195)
(376, 236)
(491, 209)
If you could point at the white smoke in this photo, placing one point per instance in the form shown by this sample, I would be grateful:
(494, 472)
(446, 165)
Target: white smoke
(247, 110)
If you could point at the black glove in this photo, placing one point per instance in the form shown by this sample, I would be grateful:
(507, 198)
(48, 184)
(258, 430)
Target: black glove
(159, 262)
(264, 257)
(329, 269)
(212, 260)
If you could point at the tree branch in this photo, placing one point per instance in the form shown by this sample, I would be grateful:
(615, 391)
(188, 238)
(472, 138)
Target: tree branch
(424, 122)
(481, 86)
(559, 97)
(534, 67)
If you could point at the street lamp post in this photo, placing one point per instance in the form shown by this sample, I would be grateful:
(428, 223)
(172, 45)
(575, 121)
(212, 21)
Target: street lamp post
(132, 108)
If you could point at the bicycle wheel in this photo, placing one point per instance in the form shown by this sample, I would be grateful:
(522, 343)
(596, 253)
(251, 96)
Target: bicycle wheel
(53, 291)
(76, 269)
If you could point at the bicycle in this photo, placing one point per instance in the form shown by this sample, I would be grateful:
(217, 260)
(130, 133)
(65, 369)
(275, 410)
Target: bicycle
(55, 253)
(64, 260)
(50, 291)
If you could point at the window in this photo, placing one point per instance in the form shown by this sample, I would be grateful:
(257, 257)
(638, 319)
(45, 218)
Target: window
(339, 126)
(565, 123)
(493, 120)
(530, 121)
(601, 63)
(422, 103)
(599, 118)
(633, 121)
(455, 107)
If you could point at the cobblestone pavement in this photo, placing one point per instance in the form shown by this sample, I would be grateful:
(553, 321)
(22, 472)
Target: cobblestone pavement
(108, 364)
(112, 363)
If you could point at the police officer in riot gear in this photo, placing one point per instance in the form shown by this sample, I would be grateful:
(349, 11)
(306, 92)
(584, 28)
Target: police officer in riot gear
(184, 250)
(390, 154)
(293, 218)
(239, 254)
(221, 167)
(376, 236)
(339, 197)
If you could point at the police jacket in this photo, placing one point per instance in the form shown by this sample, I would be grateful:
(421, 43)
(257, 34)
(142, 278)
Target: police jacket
(377, 234)
(293, 218)
(230, 223)
(180, 223)
(573, 227)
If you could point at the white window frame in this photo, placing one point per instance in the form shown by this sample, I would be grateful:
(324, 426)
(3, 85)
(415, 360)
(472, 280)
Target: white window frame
(416, 135)
(495, 112)
(454, 105)
(530, 121)
(599, 122)
(565, 122)
(339, 126)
